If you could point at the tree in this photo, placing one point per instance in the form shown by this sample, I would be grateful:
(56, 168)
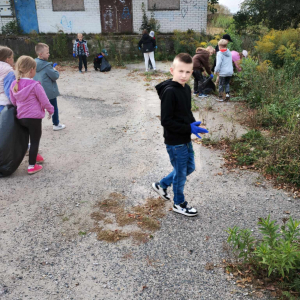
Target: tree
(276, 14)
(211, 5)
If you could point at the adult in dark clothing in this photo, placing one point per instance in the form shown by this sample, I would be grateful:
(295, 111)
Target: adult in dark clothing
(148, 44)
(201, 63)
(225, 37)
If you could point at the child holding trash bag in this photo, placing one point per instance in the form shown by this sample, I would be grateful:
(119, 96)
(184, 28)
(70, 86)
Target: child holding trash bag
(201, 62)
(31, 101)
(7, 75)
(98, 61)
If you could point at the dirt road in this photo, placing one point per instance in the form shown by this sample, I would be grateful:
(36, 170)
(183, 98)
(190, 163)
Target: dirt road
(113, 143)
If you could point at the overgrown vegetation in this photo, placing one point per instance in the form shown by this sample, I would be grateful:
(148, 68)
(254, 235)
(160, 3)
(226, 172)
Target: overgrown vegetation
(149, 24)
(12, 28)
(275, 256)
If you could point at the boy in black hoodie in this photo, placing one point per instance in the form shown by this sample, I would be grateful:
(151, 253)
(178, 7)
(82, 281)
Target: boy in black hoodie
(178, 122)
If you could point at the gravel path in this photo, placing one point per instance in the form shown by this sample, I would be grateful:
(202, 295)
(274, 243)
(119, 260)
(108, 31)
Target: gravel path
(113, 143)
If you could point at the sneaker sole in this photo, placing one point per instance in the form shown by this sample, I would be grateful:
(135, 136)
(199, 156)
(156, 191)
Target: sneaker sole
(185, 214)
(58, 129)
(154, 188)
(34, 172)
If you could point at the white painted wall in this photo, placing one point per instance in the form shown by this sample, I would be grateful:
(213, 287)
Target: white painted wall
(192, 15)
(87, 21)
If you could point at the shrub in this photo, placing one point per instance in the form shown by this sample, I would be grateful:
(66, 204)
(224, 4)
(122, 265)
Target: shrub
(12, 28)
(60, 45)
(276, 254)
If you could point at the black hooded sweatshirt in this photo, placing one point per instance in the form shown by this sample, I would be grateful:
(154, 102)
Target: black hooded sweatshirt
(176, 114)
(148, 43)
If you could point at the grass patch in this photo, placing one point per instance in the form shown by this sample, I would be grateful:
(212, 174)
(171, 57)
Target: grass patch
(110, 236)
(149, 223)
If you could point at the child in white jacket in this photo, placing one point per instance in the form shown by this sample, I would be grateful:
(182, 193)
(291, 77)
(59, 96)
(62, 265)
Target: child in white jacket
(224, 68)
(7, 75)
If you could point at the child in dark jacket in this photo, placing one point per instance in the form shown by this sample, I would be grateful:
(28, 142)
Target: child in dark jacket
(98, 59)
(178, 122)
(81, 50)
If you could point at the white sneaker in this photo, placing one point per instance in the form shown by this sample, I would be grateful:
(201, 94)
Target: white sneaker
(160, 191)
(184, 209)
(227, 97)
(59, 127)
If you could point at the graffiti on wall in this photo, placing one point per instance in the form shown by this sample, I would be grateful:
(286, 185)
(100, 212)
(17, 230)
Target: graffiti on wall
(66, 24)
(126, 13)
(191, 5)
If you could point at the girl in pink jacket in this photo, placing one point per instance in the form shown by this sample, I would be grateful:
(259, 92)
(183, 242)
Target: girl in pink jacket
(31, 101)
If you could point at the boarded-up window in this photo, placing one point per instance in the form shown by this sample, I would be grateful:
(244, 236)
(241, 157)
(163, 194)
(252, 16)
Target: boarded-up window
(164, 4)
(68, 5)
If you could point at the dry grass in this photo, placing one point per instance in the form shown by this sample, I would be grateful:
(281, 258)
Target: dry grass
(149, 223)
(110, 236)
(146, 217)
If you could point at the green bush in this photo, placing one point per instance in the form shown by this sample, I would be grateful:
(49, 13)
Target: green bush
(277, 253)
(60, 45)
(12, 28)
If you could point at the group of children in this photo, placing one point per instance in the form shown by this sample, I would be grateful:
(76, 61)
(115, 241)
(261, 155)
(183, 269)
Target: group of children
(223, 67)
(32, 89)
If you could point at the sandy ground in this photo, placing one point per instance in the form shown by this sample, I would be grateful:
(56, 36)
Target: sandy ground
(113, 143)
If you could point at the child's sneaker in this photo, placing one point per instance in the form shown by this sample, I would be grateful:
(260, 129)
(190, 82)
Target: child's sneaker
(59, 127)
(39, 159)
(220, 99)
(160, 191)
(195, 93)
(85, 70)
(227, 97)
(80, 71)
(184, 209)
(35, 169)
(202, 96)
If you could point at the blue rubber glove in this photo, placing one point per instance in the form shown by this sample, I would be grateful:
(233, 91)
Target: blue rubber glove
(211, 76)
(54, 65)
(195, 129)
(139, 48)
(100, 56)
(74, 55)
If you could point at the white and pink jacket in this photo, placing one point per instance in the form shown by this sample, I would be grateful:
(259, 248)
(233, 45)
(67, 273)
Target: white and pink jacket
(6, 77)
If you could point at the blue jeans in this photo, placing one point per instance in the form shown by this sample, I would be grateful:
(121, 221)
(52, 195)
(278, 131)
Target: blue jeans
(55, 119)
(1, 107)
(183, 162)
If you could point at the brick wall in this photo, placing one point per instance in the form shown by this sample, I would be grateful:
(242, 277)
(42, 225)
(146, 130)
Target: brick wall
(192, 15)
(87, 21)
(4, 21)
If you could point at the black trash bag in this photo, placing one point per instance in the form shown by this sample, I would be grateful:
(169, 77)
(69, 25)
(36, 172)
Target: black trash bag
(14, 140)
(105, 66)
(208, 86)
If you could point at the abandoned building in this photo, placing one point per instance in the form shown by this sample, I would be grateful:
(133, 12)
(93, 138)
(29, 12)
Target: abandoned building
(104, 16)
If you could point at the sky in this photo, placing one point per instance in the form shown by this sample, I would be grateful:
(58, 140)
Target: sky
(233, 5)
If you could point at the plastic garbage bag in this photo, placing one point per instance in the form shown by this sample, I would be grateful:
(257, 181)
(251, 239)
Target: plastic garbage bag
(105, 66)
(14, 140)
(208, 86)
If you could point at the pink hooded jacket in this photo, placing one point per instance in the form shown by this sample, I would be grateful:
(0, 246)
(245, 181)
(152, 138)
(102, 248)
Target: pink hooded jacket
(30, 100)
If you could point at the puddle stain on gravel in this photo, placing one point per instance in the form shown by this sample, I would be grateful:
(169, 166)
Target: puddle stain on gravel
(112, 211)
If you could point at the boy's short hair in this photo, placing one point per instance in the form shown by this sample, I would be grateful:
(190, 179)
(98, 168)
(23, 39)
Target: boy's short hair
(183, 57)
(40, 47)
(223, 43)
(79, 34)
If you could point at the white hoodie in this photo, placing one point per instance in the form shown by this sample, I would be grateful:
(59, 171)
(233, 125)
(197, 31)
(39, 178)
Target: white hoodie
(5, 69)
